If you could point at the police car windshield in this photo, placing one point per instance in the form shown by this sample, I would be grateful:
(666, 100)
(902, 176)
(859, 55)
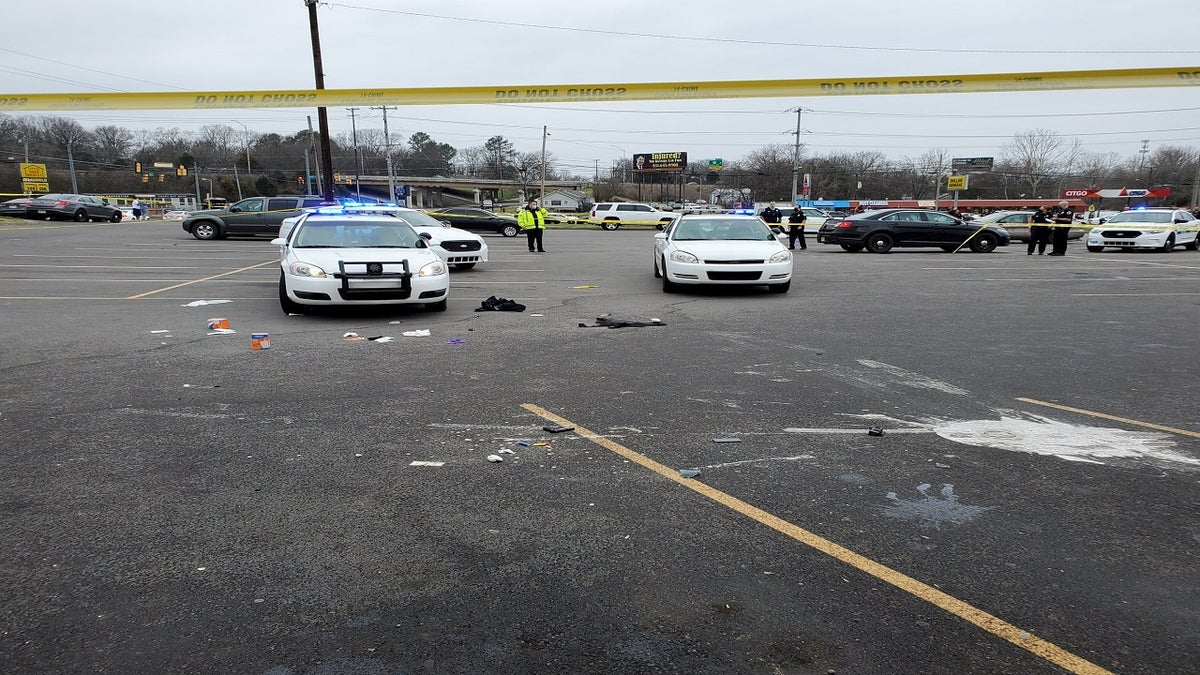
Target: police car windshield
(355, 234)
(1142, 217)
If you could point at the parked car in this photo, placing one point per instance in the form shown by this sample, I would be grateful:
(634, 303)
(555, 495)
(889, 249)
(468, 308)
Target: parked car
(880, 231)
(611, 215)
(16, 208)
(249, 217)
(1153, 228)
(346, 258)
(721, 249)
(177, 214)
(80, 208)
(455, 247)
(468, 218)
(553, 218)
(1016, 223)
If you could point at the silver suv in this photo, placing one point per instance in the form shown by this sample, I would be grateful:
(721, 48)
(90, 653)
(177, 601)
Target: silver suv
(611, 215)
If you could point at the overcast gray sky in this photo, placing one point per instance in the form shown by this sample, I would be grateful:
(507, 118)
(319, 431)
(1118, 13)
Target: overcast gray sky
(169, 45)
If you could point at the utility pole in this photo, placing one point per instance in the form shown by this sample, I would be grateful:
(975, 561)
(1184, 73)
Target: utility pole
(239, 181)
(387, 144)
(596, 179)
(1196, 188)
(357, 155)
(307, 174)
(71, 164)
(196, 173)
(542, 197)
(322, 114)
(796, 159)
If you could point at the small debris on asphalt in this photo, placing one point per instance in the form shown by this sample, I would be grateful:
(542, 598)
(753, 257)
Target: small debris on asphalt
(941, 466)
(689, 473)
(222, 331)
(495, 458)
(456, 341)
(727, 440)
(416, 333)
(610, 321)
(875, 431)
(424, 463)
(557, 428)
(201, 303)
(524, 444)
(507, 451)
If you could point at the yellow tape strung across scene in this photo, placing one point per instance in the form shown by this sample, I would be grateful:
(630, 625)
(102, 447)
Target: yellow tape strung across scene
(992, 624)
(1185, 76)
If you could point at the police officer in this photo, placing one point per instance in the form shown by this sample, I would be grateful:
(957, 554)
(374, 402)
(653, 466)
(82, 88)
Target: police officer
(1064, 215)
(1039, 234)
(532, 220)
(796, 221)
(771, 215)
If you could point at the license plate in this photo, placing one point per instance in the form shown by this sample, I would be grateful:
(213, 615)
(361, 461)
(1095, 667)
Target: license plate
(40, 211)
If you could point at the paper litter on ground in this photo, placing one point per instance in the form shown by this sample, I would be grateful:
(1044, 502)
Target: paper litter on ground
(201, 303)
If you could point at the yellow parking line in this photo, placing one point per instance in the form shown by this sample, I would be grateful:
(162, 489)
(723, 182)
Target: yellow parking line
(196, 281)
(994, 625)
(1126, 420)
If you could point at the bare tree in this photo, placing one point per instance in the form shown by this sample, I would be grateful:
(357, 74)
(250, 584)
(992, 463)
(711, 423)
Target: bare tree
(113, 144)
(1034, 156)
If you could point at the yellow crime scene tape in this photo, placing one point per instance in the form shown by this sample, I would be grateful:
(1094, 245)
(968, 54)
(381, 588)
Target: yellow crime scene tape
(1188, 76)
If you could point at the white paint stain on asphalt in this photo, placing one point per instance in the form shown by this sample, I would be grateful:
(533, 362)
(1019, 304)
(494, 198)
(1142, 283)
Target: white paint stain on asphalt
(911, 379)
(1075, 442)
(931, 511)
(795, 458)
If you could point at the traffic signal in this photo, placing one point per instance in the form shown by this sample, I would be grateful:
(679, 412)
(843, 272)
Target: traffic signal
(145, 178)
(137, 167)
(161, 176)
(181, 170)
(300, 180)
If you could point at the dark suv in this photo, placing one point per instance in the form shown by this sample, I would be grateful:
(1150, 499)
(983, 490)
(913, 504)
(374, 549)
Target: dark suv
(249, 217)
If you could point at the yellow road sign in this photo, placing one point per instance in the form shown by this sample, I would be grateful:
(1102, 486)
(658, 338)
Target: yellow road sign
(33, 171)
(35, 185)
(956, 182)
(1187, 76)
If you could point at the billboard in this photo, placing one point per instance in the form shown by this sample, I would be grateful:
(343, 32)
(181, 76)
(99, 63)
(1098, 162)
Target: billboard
(971, 163)
(653, 162)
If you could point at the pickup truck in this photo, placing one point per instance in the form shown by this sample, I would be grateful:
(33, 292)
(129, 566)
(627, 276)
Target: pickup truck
(249, 217)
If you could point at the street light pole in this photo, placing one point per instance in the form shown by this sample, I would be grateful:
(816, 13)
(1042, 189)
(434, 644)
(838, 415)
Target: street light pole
(542, 197)
(796, 159)
(247, 129)
(357, 155)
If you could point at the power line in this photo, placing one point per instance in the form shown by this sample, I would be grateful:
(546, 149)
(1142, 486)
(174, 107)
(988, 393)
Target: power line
(739, 41)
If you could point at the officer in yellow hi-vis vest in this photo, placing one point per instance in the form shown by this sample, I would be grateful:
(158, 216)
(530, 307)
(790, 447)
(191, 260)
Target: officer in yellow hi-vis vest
(532, 219)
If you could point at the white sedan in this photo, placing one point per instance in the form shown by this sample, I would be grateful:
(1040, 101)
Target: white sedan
(455, 247)
(339, 258)
(721, 249)
(1154, 228)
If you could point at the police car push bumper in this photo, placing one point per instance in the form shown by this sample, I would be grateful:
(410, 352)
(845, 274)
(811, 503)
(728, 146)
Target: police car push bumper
(367, 281)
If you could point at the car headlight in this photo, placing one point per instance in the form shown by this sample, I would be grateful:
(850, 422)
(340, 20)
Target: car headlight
(434, 269)
(781, 257)
(303, 269)
(683, 257)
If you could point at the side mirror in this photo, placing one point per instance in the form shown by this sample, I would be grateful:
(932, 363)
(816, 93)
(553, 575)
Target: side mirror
(279, 241)
(235, 209)
(447, 223)
(104, 200)
(426, 236)
(421, 243)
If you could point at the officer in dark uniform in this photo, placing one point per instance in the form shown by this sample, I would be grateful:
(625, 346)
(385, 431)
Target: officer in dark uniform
(796, 229)
(771, 215)
(1039, 233)
(1064, 215)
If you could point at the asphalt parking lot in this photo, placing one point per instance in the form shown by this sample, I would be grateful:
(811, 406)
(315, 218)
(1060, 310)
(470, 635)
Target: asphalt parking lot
(177, 502)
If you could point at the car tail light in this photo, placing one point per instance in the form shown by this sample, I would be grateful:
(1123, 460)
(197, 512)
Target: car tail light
(61, 202)
(845, 224)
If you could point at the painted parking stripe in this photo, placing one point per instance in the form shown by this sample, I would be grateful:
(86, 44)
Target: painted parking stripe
(1106, 416)
(197, 281)
(994, 625)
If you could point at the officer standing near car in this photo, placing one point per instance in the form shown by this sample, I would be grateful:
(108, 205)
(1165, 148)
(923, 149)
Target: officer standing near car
(1039, 233)
(771, 215)
(532, 220)
(796, 229)
(1064, 215)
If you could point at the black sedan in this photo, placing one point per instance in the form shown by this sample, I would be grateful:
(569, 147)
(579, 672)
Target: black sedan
(880, 231)
(477, 219)
(80, 208)
(16, 208)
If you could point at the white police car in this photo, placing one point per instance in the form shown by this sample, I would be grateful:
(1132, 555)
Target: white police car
(1152, 228)
(338, 257)
(456, 247)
